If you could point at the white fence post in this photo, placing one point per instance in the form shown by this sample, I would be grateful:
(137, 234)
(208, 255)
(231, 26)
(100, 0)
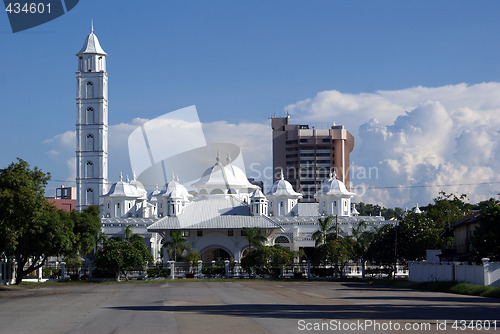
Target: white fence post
(486, 271)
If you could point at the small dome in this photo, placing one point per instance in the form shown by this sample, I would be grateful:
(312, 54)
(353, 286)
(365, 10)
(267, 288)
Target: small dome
(154, 194)
(417, 209)
(283, 188)
(257, 194)
(223, 177)
(176, 190)
(333, 187)
(141, 190)
(91, 45)
(123, 189)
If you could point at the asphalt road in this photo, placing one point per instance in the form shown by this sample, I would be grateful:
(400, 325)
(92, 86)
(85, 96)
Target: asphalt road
(242, 307)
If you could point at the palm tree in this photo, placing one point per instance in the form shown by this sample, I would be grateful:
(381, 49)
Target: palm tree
(326, 227)
(131, 236)
(254, 237)
(177, 244)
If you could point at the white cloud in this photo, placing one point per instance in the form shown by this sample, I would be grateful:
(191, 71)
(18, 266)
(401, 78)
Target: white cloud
(254, 140)
(428, 138)
(410, 143)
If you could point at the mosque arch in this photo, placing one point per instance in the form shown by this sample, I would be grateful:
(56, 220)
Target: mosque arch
(217, 192)
(281, 239)
(217, 253)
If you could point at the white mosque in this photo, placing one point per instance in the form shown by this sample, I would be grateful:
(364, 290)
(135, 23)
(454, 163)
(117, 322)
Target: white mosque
(213, 216)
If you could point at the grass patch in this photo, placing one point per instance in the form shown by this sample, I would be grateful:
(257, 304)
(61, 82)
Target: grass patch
(459, 288)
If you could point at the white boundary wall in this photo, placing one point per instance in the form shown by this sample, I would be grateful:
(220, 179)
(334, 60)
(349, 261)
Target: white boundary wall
(486, 274)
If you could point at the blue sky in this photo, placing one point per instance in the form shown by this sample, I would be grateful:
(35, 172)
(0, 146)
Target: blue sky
(240, 62)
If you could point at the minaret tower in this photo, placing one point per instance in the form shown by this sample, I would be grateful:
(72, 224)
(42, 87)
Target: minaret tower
(91, 123)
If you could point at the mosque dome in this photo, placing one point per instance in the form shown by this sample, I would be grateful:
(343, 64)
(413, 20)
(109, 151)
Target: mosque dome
(123, 189)
(333, 187)
(175, 190)
(283, 188)
(257, 194)
(223, 177)
(154, 194)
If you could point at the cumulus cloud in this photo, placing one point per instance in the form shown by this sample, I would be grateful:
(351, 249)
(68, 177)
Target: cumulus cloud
(410, 144)
(421, 140)
(253, 139)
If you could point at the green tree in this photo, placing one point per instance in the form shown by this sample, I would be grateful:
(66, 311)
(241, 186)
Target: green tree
(337, 252)
(381, 248)
(268, 260)
(362, 238)
(87, 225)
(486, 239)
(31, 229)
(119, 256)
(254, 237)
(326, 228)
(177, 244)
(193, 256)
(447, 209)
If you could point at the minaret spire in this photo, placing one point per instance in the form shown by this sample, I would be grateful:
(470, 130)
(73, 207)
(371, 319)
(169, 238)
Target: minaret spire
(91, 26)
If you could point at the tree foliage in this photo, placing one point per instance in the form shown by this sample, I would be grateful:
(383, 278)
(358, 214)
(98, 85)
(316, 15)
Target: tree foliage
(267, 260)
(31, 229)
(376, 210)
(327, 227)
(118, 256)
(254, 237)
(447, 209)
(176, 245)
(336, 252)
(486, 239)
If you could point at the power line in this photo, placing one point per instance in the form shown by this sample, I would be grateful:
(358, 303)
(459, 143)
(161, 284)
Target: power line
(435, 185)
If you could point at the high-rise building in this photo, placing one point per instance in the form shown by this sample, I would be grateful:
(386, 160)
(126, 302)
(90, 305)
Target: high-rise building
(91, 123)
(307, 154)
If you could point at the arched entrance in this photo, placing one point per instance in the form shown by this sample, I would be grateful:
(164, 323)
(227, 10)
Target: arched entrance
(245, 251)
(217, 254)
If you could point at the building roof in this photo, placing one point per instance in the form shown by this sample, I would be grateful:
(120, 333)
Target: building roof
(214, 212)
(91, 45)
(176, 190)
(123, 189)
(333, 187)
(221, 176)
(283, 188)
(257, 194)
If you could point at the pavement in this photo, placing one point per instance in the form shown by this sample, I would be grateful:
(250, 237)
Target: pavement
(241, 307)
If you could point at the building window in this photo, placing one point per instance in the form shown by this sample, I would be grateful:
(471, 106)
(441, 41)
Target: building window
(281, 240)
(89, 115)
(326, 140)
(303, 140)
(90, 197)
(199, 233)
(89, 90)
(230, 233)
(89, 142)
(89, 169)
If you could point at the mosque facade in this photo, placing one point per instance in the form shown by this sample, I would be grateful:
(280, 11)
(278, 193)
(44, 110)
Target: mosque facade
(213, 216)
